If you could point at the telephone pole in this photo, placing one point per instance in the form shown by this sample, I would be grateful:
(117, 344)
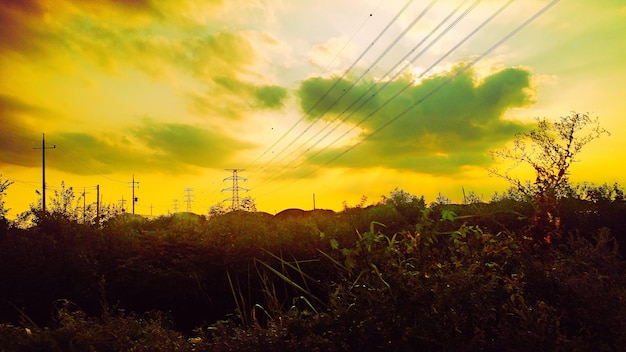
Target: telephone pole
(97, 204)
(85, 193)
(235, 187)
(188, 198)
(43, 170)
(134, 199)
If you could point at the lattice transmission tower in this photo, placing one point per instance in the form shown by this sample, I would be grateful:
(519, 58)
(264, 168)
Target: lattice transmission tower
(189, 198)
(235, 187)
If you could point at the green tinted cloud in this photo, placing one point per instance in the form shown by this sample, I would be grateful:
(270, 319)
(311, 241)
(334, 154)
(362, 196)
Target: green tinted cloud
(454, 127)
(187, 144)
(146, 146)
(271, 97)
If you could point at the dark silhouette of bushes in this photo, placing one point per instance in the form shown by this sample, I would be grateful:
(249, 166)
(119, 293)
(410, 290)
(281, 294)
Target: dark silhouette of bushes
(397, 275)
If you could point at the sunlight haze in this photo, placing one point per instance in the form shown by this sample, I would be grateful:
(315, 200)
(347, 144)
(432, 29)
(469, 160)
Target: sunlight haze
(309, 97)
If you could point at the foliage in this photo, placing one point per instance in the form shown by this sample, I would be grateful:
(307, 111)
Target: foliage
(73, 330)
(447, 277)
(4, 223)
(465, 290)
(4, 184)
(549, 150)
(246, 204)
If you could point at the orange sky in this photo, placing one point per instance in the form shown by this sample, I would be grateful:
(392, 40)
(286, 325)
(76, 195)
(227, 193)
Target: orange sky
(337, 99)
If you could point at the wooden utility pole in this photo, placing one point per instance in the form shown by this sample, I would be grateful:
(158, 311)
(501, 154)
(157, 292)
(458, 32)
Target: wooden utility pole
(134, 200)
(85, 203)
(43, 170)
(98, 204)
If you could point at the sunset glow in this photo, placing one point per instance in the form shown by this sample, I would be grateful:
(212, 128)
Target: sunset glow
(309, 97)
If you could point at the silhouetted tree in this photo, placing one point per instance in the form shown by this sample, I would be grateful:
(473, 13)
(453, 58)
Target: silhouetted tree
(549, 150)
(4, 184)
(247, 204)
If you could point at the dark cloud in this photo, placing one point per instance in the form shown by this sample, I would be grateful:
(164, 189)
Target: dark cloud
(17, 139)
(147, 146)
(189, 145)
(317, 97)
(24, 28)
(455, 127)
(21, 26)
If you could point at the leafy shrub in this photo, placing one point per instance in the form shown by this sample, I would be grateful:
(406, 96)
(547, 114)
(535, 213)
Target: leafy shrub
(75, 331)
(455, 277)
(464, 290)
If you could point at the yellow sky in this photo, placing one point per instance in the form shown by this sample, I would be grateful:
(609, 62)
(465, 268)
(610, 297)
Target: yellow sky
(337, 99)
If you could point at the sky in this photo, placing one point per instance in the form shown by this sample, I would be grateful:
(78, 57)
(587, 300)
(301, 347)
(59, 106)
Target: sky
(312, 101)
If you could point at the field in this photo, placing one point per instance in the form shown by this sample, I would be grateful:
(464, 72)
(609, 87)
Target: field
(398, 275)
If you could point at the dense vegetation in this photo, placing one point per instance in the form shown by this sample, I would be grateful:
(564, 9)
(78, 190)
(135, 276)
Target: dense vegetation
(398, 275)
(536, 269)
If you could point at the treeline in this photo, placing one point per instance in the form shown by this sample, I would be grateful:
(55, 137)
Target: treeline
(396, 275)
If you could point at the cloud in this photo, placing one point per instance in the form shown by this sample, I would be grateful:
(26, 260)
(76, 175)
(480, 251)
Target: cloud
(223, 74)
(271, 97)
(145, 146)
(17, 139)
(188, 145)
(334, 52)
(453, 128)
(136, 32)
(19, 26)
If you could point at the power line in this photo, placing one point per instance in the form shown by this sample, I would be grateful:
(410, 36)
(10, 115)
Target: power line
(323, 96)
(339, 122)
(353, 84)
(435, 40)
(443, 84)
(60, 147)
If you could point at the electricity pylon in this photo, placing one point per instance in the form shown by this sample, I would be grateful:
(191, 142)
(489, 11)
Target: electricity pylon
(235, 187)
(189, 198)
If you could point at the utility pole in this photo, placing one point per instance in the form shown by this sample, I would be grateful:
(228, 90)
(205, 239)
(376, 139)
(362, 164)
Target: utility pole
(175, 206)
(85, 203)
(134, 199)
(97, 204)
(151, 207)
(235, 188)
(188, 198)
(122, 202)
(313, 201)
(43, 170)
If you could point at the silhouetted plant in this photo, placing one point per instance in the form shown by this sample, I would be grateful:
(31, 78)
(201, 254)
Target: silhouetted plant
(549, 150)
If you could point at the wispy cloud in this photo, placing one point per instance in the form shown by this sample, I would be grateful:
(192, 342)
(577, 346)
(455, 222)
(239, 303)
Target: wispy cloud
(147, 145)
